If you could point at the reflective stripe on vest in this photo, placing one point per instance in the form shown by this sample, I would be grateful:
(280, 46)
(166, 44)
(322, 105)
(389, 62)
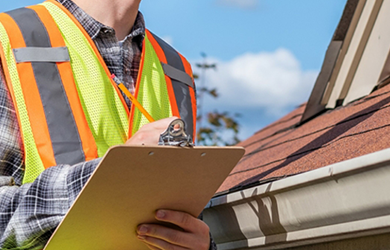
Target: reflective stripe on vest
(70, 117)
(182, 94)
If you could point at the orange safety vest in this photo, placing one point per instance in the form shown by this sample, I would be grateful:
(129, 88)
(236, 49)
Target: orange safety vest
(60, 123)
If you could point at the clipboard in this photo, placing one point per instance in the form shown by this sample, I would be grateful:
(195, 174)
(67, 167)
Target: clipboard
(131, 183)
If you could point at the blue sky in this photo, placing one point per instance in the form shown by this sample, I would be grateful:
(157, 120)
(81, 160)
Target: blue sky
(268, 52)
(224, 29)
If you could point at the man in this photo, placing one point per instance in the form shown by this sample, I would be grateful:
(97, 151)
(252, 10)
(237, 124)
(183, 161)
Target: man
(32, 207)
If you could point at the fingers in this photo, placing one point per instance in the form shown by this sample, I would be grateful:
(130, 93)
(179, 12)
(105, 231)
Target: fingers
(149, 134)
(162, 245)
(195, 234)
(182, 219)
(160, 124)
(157, 235)
(152, 247)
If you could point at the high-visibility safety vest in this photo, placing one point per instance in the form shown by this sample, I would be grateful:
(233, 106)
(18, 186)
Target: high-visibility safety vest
(69, 109)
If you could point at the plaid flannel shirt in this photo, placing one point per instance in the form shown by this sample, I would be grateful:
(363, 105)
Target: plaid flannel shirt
(30, 213)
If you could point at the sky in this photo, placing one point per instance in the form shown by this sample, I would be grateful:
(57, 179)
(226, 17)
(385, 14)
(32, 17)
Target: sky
(268, 52)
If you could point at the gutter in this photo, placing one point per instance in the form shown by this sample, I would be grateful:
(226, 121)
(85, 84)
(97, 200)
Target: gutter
(346, 200)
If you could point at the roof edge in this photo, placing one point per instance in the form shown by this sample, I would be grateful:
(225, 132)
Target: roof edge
(344, 200)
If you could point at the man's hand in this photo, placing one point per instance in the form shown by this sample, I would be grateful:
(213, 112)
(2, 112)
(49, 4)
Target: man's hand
(195, 235)
(149, 134)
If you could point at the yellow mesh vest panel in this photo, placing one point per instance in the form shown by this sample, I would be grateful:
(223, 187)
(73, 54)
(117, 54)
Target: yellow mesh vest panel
(104, 110)
(32, 158)
(105, 113)
(152, 91)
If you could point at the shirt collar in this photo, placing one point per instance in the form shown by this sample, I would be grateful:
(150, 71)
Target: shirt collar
(93, 27)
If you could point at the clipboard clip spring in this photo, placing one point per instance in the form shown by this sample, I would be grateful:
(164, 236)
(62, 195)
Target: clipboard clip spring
(175, 135)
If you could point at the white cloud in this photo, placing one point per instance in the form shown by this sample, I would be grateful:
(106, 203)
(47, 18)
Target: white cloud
(272, 81)
(245, 4)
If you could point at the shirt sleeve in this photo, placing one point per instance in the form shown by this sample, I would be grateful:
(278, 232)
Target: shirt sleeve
(213, 246)
(30, 213)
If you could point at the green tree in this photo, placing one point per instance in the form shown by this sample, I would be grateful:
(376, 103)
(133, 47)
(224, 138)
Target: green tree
(216, 127)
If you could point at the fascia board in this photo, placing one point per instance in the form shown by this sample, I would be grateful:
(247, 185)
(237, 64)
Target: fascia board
(343, 200)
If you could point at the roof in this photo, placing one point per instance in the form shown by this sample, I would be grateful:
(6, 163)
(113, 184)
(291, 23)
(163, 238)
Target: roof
(318, 177)
(286, 148)
(341, 206)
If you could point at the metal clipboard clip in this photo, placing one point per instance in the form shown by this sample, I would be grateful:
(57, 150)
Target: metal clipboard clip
(175, 135)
